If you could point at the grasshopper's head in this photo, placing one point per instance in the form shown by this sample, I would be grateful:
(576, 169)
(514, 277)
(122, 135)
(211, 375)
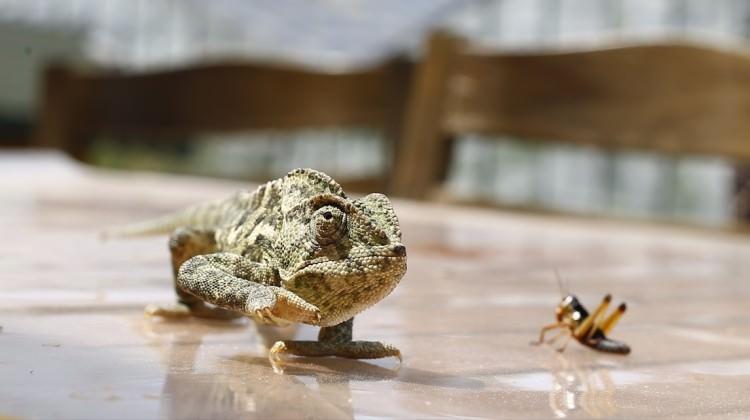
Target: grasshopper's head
(570, 311)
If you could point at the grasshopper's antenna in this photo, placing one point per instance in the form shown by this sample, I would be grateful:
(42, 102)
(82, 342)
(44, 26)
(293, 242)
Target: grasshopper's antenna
(563, 289)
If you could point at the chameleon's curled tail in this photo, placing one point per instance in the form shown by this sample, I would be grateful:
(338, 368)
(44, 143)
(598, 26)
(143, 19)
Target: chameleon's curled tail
(201, 216)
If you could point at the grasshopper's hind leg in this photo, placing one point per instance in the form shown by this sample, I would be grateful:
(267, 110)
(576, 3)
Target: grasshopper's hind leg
(184, 244)
(608, 324)
(335, 341)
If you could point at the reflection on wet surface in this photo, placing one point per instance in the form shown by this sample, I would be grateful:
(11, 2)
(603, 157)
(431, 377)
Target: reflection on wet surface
(259, 390)
(74, 342)
(247, 383)
(571, 388)
(243, 383)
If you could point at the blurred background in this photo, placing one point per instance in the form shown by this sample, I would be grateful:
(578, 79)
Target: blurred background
(221, 89)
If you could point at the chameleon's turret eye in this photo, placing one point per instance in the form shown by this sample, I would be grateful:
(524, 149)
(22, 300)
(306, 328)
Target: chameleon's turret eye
(328, 225)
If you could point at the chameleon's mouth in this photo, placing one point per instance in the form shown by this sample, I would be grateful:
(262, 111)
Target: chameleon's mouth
(350, 271)
(342, 289)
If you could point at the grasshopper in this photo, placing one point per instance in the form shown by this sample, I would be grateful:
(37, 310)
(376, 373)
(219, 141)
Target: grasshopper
(588, 329)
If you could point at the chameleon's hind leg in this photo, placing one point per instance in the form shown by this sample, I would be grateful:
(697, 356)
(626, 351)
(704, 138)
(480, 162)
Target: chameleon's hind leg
(335, 341)
(184, 244)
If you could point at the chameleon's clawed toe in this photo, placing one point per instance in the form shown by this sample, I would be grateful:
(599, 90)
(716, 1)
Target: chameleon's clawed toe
(258, 315)
(390, 351)
(264, 316)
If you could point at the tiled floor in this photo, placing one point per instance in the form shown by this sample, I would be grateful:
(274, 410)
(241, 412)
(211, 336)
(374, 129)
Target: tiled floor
(75, 344)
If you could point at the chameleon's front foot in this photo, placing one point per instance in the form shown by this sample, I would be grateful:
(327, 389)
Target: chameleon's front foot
(280, 307)
(198, 309)
(349, 350)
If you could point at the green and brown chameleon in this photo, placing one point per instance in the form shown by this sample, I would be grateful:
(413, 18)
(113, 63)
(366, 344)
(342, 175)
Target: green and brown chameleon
(296, 249)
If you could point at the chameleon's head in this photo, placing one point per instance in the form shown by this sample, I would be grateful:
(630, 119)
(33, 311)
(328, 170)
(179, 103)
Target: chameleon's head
(342, 255)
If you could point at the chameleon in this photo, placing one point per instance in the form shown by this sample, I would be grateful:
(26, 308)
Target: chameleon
(295, 250)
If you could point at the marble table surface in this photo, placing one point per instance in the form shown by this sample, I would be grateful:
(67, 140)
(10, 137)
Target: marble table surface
(75, 343)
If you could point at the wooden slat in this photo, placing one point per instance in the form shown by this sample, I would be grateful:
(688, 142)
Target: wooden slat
(674, 99)
(665, 98)
(78, 105)
(229, 97)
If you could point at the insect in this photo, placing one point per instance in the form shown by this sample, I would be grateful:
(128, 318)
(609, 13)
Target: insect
(588, 329)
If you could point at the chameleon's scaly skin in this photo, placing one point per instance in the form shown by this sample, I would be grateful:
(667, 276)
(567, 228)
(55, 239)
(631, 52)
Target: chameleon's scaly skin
(297, 249)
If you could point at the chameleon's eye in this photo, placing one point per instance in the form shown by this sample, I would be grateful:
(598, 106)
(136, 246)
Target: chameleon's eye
(328, 225)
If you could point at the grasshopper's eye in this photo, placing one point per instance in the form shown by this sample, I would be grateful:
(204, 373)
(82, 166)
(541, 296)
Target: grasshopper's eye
(328, 225)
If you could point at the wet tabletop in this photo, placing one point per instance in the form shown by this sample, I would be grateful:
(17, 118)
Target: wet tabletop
(75, 344)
